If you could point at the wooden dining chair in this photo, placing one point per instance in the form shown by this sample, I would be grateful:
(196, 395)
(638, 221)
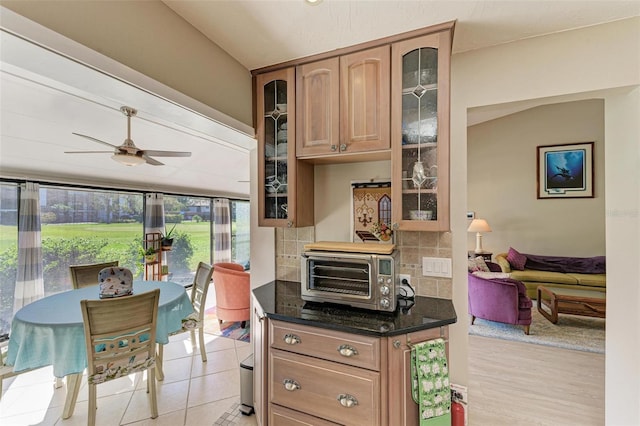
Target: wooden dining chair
(120, 336)
(194, 321)
(6, 371)
(86, 275)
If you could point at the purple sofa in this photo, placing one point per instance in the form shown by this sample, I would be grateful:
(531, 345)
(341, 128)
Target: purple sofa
(499, 299)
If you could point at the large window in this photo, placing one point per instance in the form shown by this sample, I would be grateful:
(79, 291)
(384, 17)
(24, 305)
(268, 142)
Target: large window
(83, 225)
(240, 224)
(189, 221)
(88, 226)
(8, 252)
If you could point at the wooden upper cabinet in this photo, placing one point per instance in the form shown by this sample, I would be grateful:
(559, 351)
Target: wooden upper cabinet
(420, 132)
(343, 104)
(285, 186)
(318, 87)
(364, 100)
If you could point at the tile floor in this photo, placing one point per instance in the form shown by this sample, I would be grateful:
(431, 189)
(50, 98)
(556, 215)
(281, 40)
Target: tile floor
(193, 393)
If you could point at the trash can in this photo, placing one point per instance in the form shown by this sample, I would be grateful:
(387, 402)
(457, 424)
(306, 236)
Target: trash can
(246, 386)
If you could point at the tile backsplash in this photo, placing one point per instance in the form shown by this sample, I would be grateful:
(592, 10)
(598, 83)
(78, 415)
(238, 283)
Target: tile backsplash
(413, 246)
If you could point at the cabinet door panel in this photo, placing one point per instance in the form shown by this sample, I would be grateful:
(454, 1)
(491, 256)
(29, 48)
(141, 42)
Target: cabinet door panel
(324, 389)
(365, 91)
(359, 351)
(280, 202)
(420, 132)
(402, 409)
(280, 416)
(318, 107)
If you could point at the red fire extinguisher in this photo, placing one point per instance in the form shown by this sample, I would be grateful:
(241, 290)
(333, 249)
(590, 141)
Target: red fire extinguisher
(457, 409)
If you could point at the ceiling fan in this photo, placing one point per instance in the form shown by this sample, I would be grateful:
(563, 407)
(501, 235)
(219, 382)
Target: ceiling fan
(128, 153)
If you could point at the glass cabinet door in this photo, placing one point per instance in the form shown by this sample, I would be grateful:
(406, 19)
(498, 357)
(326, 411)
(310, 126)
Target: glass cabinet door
(420, 134)
(275, 149)
(279, 174)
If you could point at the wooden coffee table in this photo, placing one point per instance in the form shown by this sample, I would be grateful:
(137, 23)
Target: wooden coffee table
(570, 301)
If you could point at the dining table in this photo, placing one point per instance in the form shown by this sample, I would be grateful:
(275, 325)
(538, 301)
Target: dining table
(50, 331)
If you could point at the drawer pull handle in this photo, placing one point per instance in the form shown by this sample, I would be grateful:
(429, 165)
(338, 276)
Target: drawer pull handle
(347, 350)
(291, 385)
(347, 400)
(291, 339)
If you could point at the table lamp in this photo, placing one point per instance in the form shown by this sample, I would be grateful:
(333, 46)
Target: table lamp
(478, 226)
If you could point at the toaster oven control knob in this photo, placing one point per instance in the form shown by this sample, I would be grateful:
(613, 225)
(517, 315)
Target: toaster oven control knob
(384, 303)
(385, 290)
(380, 280)
(389, 281)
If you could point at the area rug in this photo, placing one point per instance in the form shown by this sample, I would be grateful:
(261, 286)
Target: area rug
(232, 330)
(571, 332)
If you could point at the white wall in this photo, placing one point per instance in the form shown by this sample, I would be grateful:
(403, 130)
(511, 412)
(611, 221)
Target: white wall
(622, 373)
(135, 33)
(332, 190)
(501, 169)
(606, 58)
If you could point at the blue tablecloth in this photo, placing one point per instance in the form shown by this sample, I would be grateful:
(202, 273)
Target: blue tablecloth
(50, 331)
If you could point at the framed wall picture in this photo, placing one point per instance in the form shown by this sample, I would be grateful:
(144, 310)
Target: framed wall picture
(565, 171)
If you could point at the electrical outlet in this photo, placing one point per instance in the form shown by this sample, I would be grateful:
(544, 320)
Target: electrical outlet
(404, 277)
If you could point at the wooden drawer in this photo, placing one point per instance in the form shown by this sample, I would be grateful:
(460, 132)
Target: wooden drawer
(351, 349)
(315, 387)
(280, 416)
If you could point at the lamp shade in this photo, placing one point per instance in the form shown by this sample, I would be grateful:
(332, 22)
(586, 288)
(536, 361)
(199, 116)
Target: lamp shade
(479, 225)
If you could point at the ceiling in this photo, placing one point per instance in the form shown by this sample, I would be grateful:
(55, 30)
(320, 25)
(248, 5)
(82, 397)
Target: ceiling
(259, 33)
(46, 97)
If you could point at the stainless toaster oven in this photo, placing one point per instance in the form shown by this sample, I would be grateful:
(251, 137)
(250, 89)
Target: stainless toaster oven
(361, 280)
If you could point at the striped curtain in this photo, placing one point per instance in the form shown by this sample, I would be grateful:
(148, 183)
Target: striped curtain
(154, 213)
(221, 230)
(29, 281)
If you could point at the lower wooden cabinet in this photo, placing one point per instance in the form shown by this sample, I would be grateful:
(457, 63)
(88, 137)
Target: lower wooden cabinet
(317, 376)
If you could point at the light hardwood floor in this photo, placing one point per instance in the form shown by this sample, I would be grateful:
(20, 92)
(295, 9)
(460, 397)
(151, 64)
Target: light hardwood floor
(513, 383)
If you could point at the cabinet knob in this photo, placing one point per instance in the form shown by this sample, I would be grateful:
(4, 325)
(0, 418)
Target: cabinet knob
(343, 147)
(347, 400)
(347, 350)
(291, 385)
(291, 339)
(397, 344)
(334, 148)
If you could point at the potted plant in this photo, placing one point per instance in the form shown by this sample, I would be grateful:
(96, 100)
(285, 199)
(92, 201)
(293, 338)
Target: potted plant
(149, 254)
(167, 241)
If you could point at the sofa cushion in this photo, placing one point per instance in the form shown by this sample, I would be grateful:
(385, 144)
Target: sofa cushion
(491, 275)
(478, 264)
(516, 259)
(593, 280)
(531, 275)
(577, 265)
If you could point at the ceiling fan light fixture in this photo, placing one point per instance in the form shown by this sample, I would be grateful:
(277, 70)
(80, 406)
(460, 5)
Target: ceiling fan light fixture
(128, 160)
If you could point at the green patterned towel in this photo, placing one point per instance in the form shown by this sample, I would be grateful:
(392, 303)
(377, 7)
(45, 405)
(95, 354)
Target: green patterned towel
(430, 382)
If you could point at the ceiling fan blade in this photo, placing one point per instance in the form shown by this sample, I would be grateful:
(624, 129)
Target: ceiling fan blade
(94, 139)
(166, 153)
(151, 161)
(88, 152)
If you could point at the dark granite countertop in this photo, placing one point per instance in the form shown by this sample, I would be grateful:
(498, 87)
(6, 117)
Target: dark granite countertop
(281, 300)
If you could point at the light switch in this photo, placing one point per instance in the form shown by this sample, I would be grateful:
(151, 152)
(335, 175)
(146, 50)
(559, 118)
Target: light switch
(436, 267)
